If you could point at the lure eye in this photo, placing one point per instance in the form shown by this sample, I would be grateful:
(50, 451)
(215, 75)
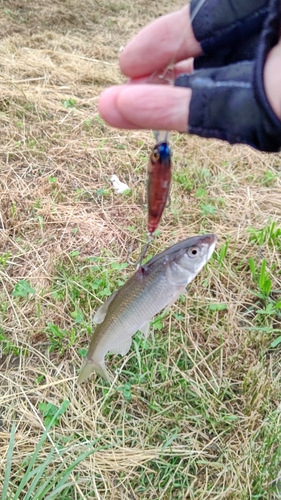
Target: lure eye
(155, 155)
(193, 252)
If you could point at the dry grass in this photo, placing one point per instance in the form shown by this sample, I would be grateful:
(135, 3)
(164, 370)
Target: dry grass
(195, 413)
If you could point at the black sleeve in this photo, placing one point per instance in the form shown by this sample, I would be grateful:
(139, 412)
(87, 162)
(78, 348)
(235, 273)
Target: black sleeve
(228, 30)
(218, 23)
(229, 102)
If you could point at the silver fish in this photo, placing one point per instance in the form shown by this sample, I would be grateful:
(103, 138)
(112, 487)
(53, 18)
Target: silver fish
(155, 286)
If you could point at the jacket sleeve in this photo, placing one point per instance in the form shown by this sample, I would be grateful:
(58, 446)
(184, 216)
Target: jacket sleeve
(229, 101)
(218, 23)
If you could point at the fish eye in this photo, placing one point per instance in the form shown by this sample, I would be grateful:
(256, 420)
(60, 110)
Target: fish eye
(193, 252)
(155, 155)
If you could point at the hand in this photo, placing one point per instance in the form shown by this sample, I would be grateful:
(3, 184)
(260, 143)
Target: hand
(137, 105)
(142, 104)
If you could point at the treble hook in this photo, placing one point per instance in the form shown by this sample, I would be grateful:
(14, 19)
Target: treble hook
(150, 238)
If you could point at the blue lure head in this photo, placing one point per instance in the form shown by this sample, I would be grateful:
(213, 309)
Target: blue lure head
(161, 153)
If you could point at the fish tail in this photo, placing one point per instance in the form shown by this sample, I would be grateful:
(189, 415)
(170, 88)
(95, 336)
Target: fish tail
(91, 366)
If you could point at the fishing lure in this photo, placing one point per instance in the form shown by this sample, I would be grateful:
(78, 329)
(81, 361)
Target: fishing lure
(160, 165)
(159, 173)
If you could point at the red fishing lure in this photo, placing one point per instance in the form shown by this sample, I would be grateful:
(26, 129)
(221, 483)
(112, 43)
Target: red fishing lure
(159, 178)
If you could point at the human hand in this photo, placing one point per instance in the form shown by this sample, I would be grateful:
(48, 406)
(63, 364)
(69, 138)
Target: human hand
(232, 114)
(137, 105)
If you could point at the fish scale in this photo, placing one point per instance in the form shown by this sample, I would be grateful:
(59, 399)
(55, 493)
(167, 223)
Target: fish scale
(143, 310)
(154, 286)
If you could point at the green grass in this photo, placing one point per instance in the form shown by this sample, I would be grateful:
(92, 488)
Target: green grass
(43, 479)
(170, 394)
(194, 411)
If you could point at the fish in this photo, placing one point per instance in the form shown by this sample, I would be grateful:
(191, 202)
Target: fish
(159, 172)
(154, 286)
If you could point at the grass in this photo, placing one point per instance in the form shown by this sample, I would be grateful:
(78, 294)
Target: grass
(194, 412)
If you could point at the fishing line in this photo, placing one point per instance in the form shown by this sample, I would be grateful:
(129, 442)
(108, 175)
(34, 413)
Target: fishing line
(162, 136)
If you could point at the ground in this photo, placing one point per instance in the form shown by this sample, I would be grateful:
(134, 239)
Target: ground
(195, 412)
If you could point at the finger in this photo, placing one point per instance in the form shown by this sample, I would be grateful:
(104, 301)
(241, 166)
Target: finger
(109, 111)
(145, 107)
(166, 77)
(170, 38)
(186, 66)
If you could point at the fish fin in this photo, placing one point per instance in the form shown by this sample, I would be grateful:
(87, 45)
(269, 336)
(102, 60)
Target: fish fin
(174, 298)
(145, 329)
(89, 367)
(122, 348)
(102, 310)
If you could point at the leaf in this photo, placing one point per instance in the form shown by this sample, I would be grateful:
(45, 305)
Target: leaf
(223, 251)
(170, 440)
(22, 289)
(69, 103)
(275, 342)
(78, 316)
(157, 324)
(127, 392)
(83, 352)
(252, 267)
(200, 193)
(52, 180)
(262, 274)
(8, 464)
(49, 411)
(119, 267)
(106, 292)
(179, 317)
(217, 307)
(29, 473)
(208, 209)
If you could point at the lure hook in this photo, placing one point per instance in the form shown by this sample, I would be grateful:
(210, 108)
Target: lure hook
(150, 238)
